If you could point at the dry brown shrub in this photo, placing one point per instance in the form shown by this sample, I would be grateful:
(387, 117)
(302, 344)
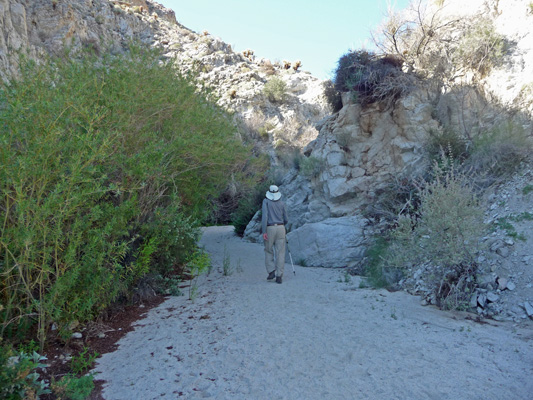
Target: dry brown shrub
(268, 68)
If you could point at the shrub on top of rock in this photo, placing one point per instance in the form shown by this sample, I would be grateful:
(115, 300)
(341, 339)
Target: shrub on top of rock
(371, 78)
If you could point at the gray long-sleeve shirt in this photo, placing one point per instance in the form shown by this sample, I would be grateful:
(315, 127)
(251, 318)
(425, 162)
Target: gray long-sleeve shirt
(273, 212)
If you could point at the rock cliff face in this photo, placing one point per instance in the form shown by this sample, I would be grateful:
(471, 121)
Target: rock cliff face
(41, 27)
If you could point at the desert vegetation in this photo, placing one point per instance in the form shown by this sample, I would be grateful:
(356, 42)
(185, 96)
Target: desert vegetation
(444, 229)
(109, 165)
(433, 221)
(420, 42)
(435, 45)
(275, 90)
(371, 78)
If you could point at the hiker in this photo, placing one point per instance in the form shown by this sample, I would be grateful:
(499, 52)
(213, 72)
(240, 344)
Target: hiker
(274, 219)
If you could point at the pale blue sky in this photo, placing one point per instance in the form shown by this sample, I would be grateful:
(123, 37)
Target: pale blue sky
(315, 32)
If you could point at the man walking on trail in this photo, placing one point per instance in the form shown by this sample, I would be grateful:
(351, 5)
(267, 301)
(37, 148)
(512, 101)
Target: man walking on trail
(274, 219)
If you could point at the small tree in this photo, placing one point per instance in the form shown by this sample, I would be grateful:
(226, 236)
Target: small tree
(436, 45)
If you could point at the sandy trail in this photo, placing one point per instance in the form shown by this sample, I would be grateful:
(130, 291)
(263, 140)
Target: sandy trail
(313, 337)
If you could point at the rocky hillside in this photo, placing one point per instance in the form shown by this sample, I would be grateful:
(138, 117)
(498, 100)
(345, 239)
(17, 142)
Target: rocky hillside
(41, 27)
(361, 150)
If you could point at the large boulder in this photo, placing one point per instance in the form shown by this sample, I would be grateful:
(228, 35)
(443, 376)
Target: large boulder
(334, 242)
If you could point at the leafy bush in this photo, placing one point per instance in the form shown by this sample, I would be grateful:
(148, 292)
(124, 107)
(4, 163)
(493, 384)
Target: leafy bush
(73, 388)
(199, 262)
(275, 90)
(102, 160)
(83, 361)
(371, 78)
(168, 239)
(248, 206)
(374, 269)
(18, 376)
(450, 222)
(289, 156)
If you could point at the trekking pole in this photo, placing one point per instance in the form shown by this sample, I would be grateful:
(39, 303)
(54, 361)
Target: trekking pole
(290, 255)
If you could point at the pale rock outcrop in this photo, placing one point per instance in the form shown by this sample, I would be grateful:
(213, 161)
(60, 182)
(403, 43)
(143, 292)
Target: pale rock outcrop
(360, 151)
(331, 243)
(363, 148)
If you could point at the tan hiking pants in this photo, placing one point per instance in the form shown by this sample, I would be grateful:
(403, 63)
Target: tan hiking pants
(276, 241)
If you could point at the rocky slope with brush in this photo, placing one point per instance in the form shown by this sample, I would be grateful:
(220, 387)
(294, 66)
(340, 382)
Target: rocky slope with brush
(361, 150)
(237, 80)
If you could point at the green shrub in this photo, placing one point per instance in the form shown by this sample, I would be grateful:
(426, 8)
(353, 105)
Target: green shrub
(227, 268)
(101, 159)
(289, 156)
(83, 361)
(344, 139)
(18, 376)
(265, 129)
(527, 189)
(197, 264)
(248, 205)
(505, 224)
(169, 239)
(374, 268)
(311, 167)
(450, 223)
(275, 90)
(350, 69)
(73, 388)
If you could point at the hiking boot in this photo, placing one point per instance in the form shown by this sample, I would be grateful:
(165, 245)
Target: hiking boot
(271, 276)
(278, 279)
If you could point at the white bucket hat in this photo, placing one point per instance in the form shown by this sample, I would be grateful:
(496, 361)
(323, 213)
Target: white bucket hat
(273, 193)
